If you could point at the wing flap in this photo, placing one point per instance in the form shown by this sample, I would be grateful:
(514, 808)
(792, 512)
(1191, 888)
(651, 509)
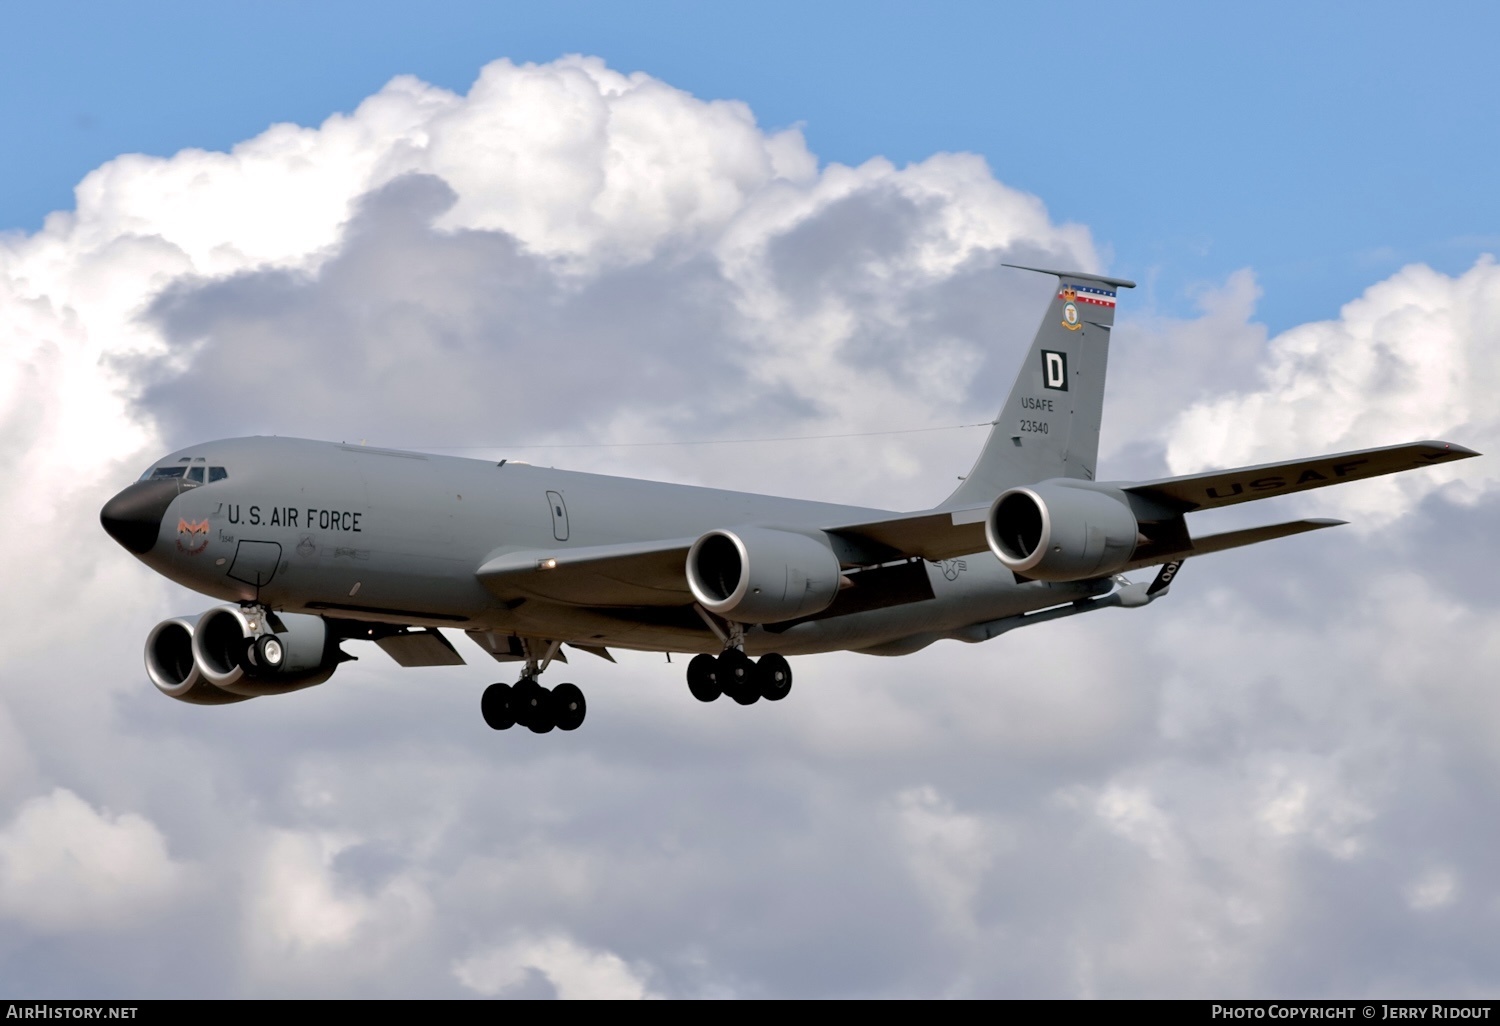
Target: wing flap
(420, 648)
(1227, 487)
(947, 534)
(1228, 540)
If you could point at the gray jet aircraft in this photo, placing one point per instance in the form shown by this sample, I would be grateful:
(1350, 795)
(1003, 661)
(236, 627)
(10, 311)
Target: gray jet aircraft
(312, 544)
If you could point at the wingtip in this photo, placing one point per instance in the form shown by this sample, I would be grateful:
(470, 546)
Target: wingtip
(1452, 450)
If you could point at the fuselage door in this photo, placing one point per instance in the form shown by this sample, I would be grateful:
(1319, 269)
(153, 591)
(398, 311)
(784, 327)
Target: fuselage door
(255, 562)
(559, 516)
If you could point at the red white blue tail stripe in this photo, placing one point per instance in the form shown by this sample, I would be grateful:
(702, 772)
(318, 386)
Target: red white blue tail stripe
(1093, 295)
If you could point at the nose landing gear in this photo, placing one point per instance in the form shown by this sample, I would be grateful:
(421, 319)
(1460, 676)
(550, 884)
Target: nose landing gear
(534, 707)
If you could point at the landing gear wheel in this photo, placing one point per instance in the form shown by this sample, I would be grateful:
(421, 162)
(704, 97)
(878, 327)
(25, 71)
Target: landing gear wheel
(568, 707)
(532, 704)
(775, 677)
(702, 678)
(269, 653)
(495, 705)
(736, 673)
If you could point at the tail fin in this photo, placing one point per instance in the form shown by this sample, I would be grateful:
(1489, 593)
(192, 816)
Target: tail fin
(1049, 427)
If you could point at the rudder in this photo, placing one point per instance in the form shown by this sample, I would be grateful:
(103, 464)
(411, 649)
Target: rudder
(1049, 426)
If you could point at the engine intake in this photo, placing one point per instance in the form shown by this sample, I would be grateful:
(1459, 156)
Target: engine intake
(762, 575)
(1062, 531)
(171, 667)
(233, 657)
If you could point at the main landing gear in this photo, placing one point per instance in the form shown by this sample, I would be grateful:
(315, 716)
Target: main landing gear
(735, 674)
(743, 679)
(534, 707)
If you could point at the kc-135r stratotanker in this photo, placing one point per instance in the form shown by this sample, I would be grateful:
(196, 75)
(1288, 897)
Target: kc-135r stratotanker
(312, 544)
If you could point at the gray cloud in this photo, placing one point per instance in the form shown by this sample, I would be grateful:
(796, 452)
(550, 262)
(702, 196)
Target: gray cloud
(412, 333)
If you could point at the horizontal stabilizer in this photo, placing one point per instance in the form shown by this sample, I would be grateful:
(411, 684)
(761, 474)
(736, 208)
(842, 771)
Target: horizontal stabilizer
(1122, 283)
(1227, 487)
(1233, 540)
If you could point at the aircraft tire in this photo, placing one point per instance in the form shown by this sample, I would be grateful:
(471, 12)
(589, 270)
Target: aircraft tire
(736, 674)
(702, 678)
(268, 652)
(533, 706)
(526, 699)
(495, 706)
(774, 676)
(568, 707)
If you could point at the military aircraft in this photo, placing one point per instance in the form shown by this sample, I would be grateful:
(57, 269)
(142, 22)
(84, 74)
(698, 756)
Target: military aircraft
(313, 544)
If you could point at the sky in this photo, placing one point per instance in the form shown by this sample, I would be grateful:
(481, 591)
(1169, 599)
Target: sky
(559, 234)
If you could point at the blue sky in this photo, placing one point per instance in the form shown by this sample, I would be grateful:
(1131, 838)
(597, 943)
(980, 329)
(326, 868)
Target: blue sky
(1324, 146)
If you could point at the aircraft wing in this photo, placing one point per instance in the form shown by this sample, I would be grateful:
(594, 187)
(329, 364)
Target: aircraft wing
(1154, 554)
(947, 534)
(938, 537)
(950, 533)
(1227, 487)
(629, 574)
(652, 573)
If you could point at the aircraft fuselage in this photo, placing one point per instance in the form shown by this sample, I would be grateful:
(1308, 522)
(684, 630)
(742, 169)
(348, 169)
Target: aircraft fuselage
(371, 534)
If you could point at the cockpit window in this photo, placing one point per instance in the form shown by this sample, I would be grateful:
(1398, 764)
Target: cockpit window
(195, 474)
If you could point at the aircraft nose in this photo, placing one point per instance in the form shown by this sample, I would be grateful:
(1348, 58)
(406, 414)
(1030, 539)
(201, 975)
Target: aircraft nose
(133, 518)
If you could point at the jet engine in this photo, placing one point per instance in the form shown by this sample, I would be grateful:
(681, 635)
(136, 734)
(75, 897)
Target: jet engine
(762, 575)
(170, 665)
(232, 655)
(1062, 530)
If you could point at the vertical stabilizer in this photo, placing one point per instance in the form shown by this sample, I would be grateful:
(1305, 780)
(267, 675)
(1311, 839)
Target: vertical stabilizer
(1049, 427)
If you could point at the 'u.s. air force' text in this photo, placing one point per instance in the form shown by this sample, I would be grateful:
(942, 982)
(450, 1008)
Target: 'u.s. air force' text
(306, 518)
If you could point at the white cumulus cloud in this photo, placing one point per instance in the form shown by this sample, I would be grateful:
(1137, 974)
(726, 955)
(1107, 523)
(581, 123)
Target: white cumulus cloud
(1416, 356)
(66, 866)
(577, 972)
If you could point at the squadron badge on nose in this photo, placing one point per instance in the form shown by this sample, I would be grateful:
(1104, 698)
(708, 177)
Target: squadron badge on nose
(192, 536)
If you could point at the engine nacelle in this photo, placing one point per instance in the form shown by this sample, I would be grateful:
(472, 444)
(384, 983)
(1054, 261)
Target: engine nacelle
(171, 667)
(233, 657)
(762, 575)
(1062, 531)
